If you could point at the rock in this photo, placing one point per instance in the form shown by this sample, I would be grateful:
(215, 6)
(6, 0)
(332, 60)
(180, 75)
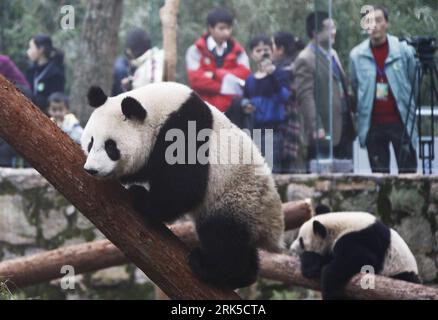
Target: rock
(73, 241)
(289, 237)
(110, 277)
(98, 235)
(33, 250)
(23, 179)
(53, 223)
(83, 223)
(417, 233)
(77, 280)
(434, 192)
(363, 201)
(432, 211)
(140, 277)
(296, 192)
(8, 255)
(436, 241)
(14, 226)
(426, 268)
(323, 186)
(407, 200)
(366, 185)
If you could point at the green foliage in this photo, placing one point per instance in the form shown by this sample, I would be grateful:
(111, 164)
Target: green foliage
(5, 293)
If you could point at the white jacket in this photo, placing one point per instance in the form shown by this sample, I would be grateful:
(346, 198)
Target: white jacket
(149, 68)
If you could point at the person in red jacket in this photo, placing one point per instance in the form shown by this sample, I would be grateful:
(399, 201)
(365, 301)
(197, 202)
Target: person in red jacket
(217, 64)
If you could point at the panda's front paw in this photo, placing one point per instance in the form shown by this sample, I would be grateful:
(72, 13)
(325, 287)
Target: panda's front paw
(140, 198)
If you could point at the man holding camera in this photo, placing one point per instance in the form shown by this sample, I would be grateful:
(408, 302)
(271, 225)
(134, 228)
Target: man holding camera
(314, 67)
(382, 71)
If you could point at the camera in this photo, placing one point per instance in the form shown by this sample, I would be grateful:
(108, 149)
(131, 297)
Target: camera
(425, 46)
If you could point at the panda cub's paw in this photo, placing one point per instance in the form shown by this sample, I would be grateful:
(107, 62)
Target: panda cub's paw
(140, 198)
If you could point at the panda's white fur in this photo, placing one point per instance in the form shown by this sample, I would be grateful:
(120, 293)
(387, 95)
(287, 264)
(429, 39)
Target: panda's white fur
(398, 258)
(244, 193)
(321, 235)
(108, 120)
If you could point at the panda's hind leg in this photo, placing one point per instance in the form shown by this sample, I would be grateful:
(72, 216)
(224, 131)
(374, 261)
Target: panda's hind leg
(227, 256)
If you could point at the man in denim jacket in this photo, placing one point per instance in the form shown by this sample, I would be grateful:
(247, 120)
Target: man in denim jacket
(382, 71)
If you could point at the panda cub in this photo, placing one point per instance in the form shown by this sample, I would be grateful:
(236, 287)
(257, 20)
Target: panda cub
(234, 205)
(333, 247)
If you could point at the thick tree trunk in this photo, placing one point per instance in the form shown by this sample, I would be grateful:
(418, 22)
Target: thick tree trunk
(153, 248)
(169, 21)
(96, 53)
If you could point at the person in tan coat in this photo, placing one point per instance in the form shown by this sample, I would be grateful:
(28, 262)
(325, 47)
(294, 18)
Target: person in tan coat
(312, 72)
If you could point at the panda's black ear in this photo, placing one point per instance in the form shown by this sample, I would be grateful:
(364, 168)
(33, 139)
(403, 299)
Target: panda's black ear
(96, 97)
(322, 209)
(319, 229)
(132, 109)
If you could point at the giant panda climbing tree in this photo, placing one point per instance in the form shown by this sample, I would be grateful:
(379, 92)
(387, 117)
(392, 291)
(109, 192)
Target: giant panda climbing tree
(153, 248)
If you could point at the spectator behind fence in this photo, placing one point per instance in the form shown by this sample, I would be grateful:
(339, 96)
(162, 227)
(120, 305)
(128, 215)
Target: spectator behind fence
(144, 61)
(286, 48)
(59, 113)
(217, 65)
(121, 70)
(312, 72)
(11, 72)
(46, 73)
(382, 71)
(8, 156)
(265, 95)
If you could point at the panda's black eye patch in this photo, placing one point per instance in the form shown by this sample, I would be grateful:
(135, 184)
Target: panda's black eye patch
(111, 150)
(90, 145)
(302, 243)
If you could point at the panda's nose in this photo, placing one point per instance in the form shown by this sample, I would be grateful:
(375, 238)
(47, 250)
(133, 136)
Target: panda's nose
(91, 171)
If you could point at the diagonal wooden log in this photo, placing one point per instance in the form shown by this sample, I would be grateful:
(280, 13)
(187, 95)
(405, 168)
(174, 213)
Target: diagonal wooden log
(152, 248)
(93, 256)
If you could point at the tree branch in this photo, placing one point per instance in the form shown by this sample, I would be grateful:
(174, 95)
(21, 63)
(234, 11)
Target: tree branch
(93, 256)
(96, 255)
(287, 269)
(169, 21)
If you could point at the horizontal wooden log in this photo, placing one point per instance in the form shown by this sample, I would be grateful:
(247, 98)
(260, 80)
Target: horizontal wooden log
(101, 254)
(97, 255)
(151, 247)
(93, 256)
(287, 269)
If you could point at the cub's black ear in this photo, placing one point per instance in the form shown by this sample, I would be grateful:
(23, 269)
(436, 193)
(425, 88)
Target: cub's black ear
(322, 209)
(96, 97)
(132, 109)
(319, 229)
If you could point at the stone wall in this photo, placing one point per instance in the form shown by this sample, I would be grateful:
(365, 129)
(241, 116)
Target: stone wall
(34, 217)
(409, 204)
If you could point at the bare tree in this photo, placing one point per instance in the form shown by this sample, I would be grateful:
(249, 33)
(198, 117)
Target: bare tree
(97, 52)
(169, 21)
